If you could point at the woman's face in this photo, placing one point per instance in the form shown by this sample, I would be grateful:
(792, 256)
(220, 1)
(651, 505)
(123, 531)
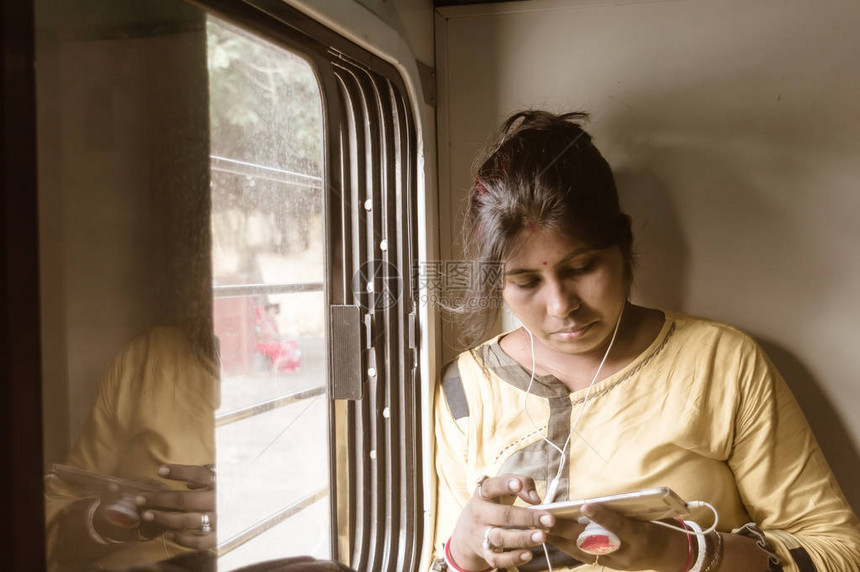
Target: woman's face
(568, 294)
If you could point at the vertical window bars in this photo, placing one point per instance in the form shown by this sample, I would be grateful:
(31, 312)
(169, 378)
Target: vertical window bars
(371, 224)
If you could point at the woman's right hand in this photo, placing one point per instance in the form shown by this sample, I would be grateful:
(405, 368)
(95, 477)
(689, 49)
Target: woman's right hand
(179, 514)
(511, 530)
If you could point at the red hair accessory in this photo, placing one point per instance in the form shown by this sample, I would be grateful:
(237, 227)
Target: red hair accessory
(480, 189)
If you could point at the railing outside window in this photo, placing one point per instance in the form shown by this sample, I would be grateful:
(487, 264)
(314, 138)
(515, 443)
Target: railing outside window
(268, 246)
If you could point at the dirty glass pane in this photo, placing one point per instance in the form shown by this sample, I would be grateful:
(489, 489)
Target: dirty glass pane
(267, 260)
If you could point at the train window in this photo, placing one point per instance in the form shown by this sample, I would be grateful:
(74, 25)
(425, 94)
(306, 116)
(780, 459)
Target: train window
(227, 220)
(266, 136)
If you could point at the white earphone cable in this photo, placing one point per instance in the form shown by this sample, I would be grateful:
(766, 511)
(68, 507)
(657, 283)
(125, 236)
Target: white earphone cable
(553, 486)
(695, 504)
(551, 489)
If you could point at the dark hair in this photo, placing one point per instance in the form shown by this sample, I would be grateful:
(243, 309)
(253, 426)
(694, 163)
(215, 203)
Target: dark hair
(542, 172)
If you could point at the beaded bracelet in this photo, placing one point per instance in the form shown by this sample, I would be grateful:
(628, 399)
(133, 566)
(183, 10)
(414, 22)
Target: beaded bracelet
(450, 561)
(714, 564)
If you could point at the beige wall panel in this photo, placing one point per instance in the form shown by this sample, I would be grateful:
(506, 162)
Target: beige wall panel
(733, 128)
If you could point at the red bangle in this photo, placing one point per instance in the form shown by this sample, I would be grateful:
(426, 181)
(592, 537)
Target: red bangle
(450, 561)
(689, 561)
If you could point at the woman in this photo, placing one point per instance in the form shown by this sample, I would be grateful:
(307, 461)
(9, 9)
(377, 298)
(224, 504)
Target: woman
(153, 421)
(594, 395)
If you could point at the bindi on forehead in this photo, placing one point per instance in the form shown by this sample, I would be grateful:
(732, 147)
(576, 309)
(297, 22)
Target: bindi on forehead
(544, 262)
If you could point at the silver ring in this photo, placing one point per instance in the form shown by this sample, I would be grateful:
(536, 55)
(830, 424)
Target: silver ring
(479, 486)
(205, 526)
(489, 545)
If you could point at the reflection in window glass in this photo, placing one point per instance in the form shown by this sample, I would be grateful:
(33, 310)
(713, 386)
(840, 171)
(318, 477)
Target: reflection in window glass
(180, 221)
(131, 379)
(269, 305)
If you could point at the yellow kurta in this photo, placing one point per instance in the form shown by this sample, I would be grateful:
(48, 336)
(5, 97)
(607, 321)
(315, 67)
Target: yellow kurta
(155, 405)
(702, 410)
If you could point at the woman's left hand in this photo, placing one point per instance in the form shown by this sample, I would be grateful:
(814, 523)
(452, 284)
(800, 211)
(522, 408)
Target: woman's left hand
(644, 545)
(186, 517)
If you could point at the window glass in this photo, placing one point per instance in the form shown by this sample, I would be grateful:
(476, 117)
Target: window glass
(269, 307)
(181, 259)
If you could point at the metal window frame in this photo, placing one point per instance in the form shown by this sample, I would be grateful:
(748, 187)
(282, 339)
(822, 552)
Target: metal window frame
(370, 155)
(22, 532)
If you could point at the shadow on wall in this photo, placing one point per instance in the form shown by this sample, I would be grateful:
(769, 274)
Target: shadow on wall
(831, 432)
(659, 244)
(662, 280)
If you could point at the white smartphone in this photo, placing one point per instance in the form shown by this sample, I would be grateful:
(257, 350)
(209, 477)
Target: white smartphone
(120, 509)
(98, 482)
(646, 504)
